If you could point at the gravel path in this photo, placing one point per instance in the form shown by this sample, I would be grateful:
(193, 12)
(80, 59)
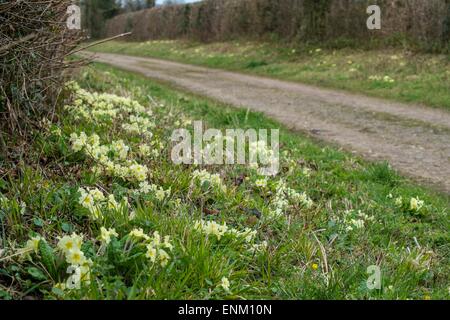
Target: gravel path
(414, 139)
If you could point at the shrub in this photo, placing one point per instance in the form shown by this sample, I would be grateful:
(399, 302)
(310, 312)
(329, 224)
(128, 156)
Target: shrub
(34, 42)
(424, 23)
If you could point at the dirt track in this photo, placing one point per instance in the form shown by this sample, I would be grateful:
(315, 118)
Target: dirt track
(414, 139)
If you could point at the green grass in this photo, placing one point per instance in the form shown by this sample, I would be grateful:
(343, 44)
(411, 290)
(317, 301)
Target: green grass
(418, 78)
(310, 252)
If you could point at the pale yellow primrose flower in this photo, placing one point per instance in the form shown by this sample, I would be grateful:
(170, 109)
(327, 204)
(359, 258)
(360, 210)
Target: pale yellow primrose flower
(75, 257)
(225, 284)
(106, 235)
(261, 183)
(139, 234)
(212, 227)
(151, 253)
(68, 243)
(163, 257)
(33, 244)
(416, 204)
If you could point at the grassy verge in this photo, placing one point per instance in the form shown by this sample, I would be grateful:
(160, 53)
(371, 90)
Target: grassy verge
(310, 232)
(393, 74)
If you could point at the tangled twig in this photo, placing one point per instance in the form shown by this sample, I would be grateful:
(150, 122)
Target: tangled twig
(34, 44)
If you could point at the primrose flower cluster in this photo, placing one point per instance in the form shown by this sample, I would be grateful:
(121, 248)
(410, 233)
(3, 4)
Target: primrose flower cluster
(414, 205)
(135, 141)
(265, 153)
(95, 201)
(70, 246)
(152, 150)
(204, 177)
(386, 79)
(119, 166)
(285, 197)
(353, 220)
(156, 247)
(159, 192)
(114, 159)
(104, 108)
(219, 231)
(140, 125)
(107, 234)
